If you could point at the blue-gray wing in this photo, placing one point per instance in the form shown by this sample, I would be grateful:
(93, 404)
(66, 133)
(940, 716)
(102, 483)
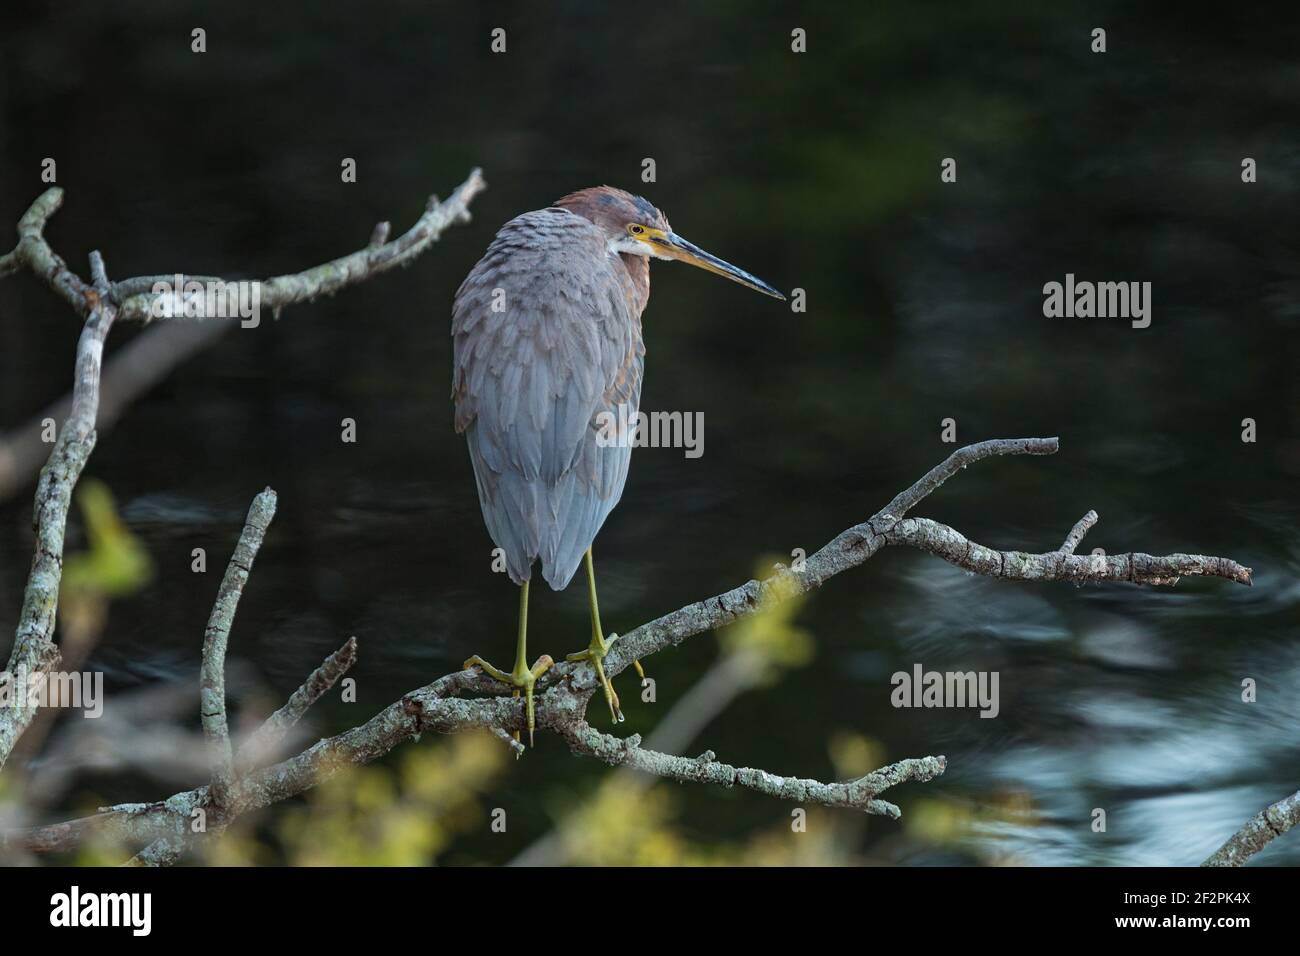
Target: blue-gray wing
(546, 338)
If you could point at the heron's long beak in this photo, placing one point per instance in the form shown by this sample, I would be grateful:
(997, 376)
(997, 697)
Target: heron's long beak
(675, 247)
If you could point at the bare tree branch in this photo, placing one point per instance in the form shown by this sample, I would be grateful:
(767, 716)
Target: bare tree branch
(34, 653)
(955, 548)
(1075, 537)
(34, 253)
(561, 707)
(163, 851)
(59, 837)
(329, 278)
(162, 828)
(857, 794)
(507, 738)
(212, 675)
(264, 740)
(1258, 832)
(858, 544)
(725, 680)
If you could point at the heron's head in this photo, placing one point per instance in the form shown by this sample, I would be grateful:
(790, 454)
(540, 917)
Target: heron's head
(633, 226)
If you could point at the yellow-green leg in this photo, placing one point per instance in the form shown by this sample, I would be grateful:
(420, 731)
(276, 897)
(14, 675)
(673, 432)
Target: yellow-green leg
(522, 678)
(599, 646)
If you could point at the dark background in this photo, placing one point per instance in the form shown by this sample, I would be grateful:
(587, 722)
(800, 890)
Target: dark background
(818, 171)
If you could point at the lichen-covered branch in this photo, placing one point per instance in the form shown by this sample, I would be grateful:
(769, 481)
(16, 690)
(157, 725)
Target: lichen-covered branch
(102, 302)
(1075, 537)
(331, 277)
(163, 851)
(716, 689)
(858, 544)
(566, 690)
(507, 738)
(33, 252)
(34, 653)
(212, 674)
(1258, 832)
(264, 740)
(1135, 568)
(135, 298)
(859, 794)
(147, 359)
(163, 828)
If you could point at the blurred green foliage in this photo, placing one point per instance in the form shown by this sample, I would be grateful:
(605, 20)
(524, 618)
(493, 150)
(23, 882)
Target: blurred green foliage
(114, 565)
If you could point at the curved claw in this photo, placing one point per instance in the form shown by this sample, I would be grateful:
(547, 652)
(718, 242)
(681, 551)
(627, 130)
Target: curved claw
(528, 707)
(595, 653)
(528, 712)
(611, 698)
(540, 667)
(523, 683)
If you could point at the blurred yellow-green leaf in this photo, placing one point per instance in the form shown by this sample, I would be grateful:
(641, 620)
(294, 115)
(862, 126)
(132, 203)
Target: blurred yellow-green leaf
(770, 632)
(115, 563)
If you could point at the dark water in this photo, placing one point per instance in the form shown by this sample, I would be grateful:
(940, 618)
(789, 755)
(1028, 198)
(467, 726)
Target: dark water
(924, 302)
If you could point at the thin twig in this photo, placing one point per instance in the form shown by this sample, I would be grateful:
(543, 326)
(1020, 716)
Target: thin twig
(1134, 568)
(34, 253)
(327, 279)
(212, 674)
(1081, 528)
(264, 740)
(507, 738)
(859, 794)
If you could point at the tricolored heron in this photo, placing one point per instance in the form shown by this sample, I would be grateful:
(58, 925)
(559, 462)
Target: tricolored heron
(547, 330)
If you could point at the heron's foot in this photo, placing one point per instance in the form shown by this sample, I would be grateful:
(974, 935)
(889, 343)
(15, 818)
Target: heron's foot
(595, 652)
(522, 679)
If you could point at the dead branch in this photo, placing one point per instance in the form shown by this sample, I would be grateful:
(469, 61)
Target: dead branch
(34, 652)
(263, 741)
(239, 786)
(102, 302)
(212, 674)
(1258, 832)
(561, 707)
(331, 277)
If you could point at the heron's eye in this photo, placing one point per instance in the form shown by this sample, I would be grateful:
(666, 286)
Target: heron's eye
(635, 229)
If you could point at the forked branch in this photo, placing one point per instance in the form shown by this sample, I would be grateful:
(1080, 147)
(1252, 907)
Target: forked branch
(240, 783)
(444, 706)
(102, 302)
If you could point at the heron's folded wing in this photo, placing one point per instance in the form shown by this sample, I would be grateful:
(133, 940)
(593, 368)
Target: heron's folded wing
(546, 336)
